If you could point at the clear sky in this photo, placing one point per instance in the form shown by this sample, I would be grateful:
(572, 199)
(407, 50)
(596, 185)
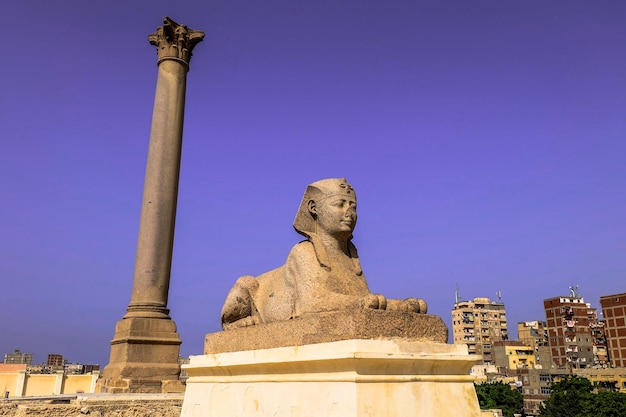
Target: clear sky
(486, 141)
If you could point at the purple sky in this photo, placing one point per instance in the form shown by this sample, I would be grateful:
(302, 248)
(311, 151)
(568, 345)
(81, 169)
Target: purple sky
(486, 141)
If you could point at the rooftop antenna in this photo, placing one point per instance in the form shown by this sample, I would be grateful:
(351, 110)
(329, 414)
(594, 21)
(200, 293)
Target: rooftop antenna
(573, 290)
(499, 294)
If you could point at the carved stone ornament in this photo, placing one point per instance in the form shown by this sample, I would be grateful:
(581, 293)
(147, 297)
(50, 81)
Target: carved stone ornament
(175, 41)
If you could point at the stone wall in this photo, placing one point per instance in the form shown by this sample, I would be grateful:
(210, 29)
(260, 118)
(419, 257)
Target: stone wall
(96, 406)
(22, 384)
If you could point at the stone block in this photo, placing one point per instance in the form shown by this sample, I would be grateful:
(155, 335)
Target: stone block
(330, 327)
(391, 377)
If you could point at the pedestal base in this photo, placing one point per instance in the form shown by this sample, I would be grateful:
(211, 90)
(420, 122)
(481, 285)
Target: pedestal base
(391, 378)
(144, 358)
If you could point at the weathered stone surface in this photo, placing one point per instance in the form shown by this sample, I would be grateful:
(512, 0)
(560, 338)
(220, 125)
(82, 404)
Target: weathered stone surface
(329, 327)
(350, 378)
(144, 353)
(108, 406)
(321, 274)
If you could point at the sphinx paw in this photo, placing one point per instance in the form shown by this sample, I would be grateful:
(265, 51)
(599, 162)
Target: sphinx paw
(416, 305)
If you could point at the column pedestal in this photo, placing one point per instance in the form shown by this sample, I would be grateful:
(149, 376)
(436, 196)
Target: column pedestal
(144, 358)
(391, 378)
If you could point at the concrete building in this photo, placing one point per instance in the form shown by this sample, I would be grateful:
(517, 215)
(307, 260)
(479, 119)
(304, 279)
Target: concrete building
(614, 314)
(600, 349)
(535, 334)
(478, 324)
(534, 385)
(18, 357)
(55, 361)
(570, 321)
(605, 379)
(513, 354)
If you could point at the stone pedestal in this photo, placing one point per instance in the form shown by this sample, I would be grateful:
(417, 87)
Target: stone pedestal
(391, 378)
(144, 358)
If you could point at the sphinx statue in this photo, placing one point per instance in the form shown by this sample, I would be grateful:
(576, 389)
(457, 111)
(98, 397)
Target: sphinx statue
(321, 273)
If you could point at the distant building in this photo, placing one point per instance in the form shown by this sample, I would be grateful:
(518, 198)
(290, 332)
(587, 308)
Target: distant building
(55, 360)
(614, 314)
(604, 379)
(74, 369)
(478, 324)
(534, 385)
(535, 334)
(574, 332)
(18, 357)
(513, 354)
(91, 368)
(600, 350)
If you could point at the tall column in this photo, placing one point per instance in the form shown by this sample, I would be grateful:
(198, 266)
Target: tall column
(145, 348)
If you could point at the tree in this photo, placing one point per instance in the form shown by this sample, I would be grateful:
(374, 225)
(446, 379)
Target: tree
(499, 395)
(567, 397)
(604, 404)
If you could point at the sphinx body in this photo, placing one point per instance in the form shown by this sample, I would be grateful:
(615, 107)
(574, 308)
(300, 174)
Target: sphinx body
(322, 273)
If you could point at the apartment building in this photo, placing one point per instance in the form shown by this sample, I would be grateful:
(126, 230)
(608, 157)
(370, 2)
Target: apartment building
(574, 332)
(18, 357)
(478, 324)
(614, 314)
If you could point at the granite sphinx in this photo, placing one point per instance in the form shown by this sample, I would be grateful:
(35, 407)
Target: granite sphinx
(322, 274)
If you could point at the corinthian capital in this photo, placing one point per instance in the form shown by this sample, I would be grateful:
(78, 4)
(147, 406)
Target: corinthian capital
(174, 41)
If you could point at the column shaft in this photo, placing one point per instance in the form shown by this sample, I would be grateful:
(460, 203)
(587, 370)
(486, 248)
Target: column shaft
(158, 212)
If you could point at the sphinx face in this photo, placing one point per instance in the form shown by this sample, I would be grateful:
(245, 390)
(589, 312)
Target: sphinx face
(336, 215)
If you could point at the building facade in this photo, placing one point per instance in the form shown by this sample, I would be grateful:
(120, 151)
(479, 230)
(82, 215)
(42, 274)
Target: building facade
(614, 314)
(479, 324)
(534, 385)
(18, 357)
(570, 321)
(55, 361)
(513, 354)
(533, 333)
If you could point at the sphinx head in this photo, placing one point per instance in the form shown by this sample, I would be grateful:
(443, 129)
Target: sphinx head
(327, 207)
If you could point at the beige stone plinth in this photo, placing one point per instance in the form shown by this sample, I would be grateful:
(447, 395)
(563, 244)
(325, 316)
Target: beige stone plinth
(330, 327)
(391, 378)
(144, 357)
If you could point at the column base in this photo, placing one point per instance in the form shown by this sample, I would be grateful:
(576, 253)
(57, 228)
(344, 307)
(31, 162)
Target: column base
(144, 358)
(392, 378)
